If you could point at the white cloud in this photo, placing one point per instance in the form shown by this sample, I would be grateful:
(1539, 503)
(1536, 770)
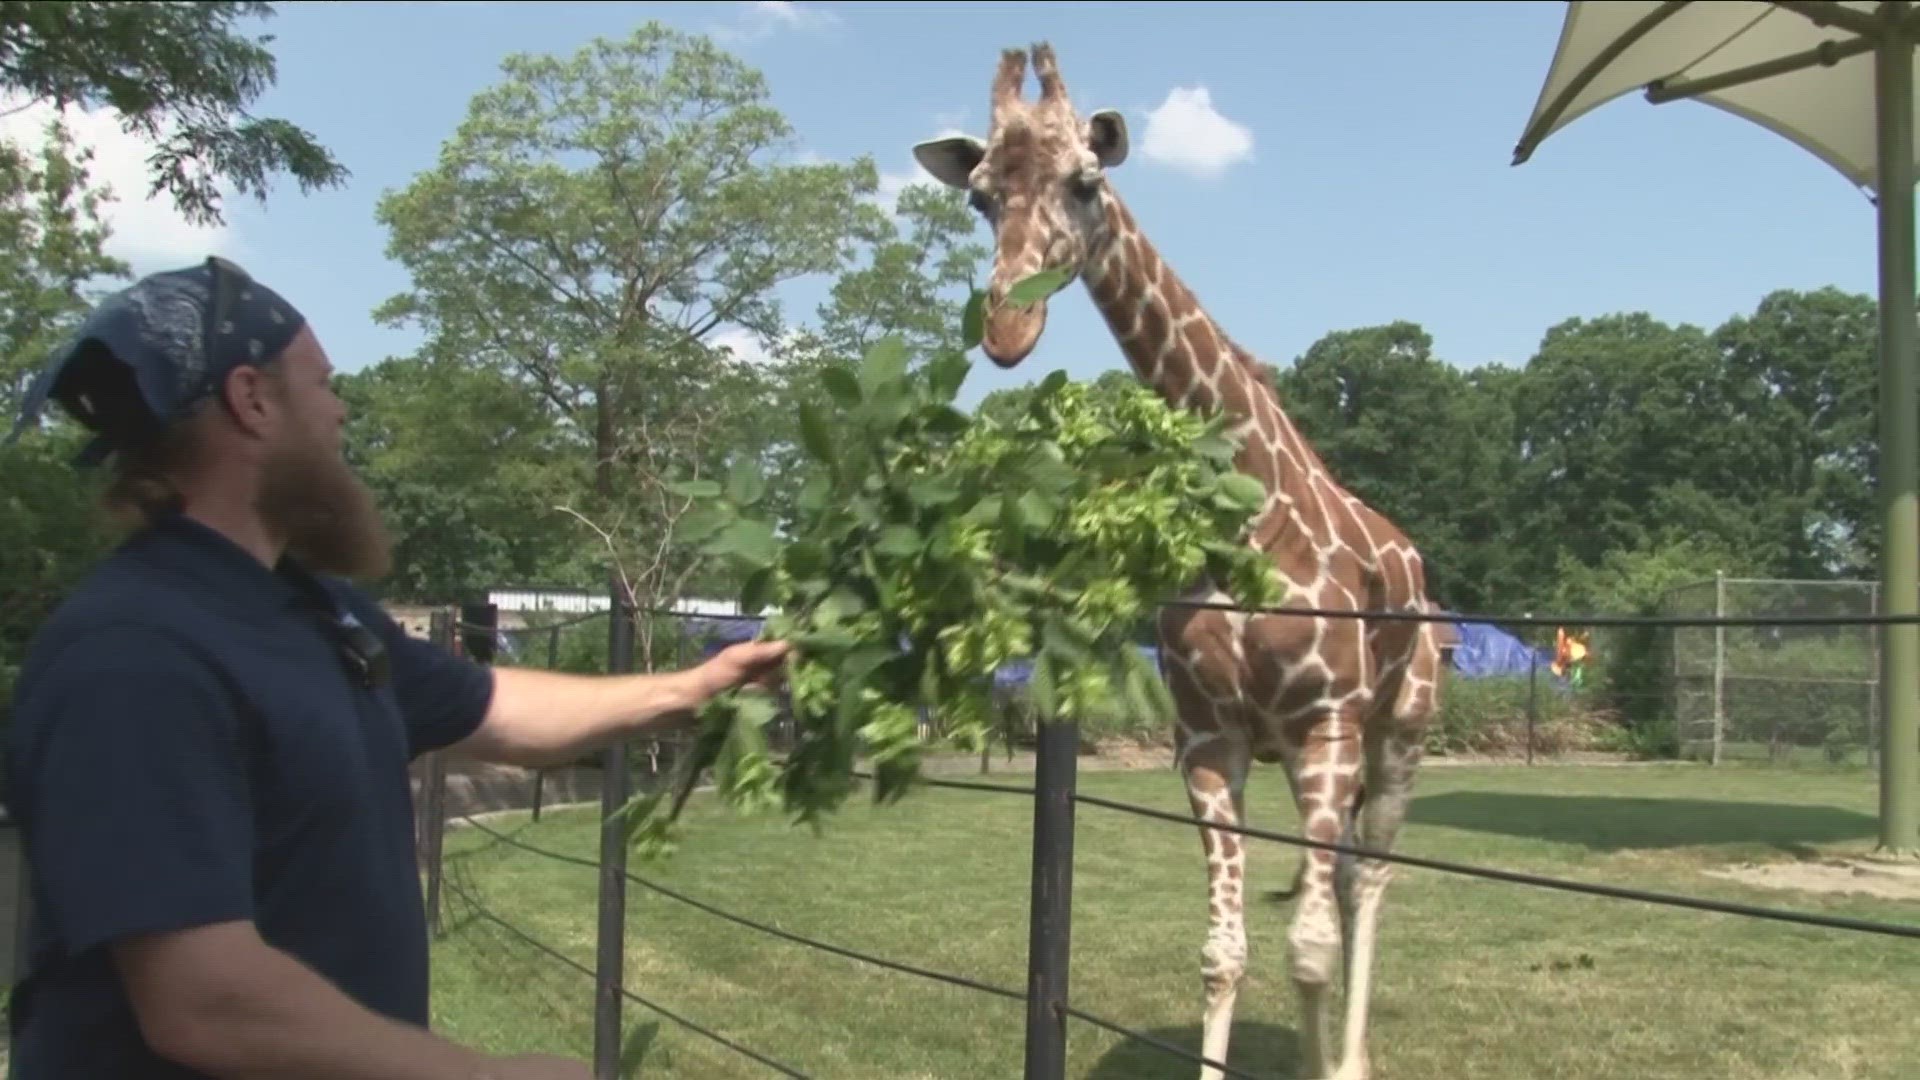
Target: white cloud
(1187, 133)
(761, 19)
(150, 234)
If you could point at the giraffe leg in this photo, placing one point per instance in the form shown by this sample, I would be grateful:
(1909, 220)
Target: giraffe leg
(1292, 773)
(1215, 768)
(1329, 765)
(1391, 762)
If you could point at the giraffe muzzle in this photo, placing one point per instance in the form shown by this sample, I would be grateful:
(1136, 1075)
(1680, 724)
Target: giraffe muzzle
(1011, 333)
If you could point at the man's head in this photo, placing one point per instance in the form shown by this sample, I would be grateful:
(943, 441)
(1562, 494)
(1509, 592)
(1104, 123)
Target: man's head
(1040, 182)
(207, 391)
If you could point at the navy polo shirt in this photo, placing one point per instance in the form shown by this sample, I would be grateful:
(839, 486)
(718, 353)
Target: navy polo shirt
(187, 747)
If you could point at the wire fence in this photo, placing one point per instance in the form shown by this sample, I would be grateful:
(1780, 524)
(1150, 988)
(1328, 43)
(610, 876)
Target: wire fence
(1055, 798)
(1769, 692)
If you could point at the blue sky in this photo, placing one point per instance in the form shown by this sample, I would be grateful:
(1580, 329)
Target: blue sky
(1362, 154)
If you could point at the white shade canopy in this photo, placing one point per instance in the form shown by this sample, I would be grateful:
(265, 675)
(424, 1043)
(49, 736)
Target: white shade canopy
(1774, 64)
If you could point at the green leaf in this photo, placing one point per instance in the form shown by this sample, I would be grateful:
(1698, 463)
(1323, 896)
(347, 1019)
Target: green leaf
(815, 435)
(823, 639)
(701, 523)
(885, 364)
(858, 666)
(886, 408)
(1215, 447)
(1048, 470)
(695, 489)
(945, 373)
(1244, 490)
(839, 605)
(973, 321)
(930, 695)
(841, 385)
(934, 490)
(806, 558)
(813, 495)
(1060, 637)
(900, 541)
(1037, 511)
(1040, 688)
(1037, 287)
(882, 584)
(745, 483)
(757, 591)
(984, 511)
(748, 540)
(945, 421)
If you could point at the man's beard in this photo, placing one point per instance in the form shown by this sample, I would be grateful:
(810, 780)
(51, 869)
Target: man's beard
(326, 514)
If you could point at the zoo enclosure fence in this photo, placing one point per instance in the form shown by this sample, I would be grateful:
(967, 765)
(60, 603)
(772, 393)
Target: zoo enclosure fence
(473, 629)
(1773, 690)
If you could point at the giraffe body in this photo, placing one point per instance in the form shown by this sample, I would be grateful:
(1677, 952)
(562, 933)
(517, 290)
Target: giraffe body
(1341, 704)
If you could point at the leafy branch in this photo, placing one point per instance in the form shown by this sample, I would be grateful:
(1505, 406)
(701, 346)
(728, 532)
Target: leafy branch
(928, 548)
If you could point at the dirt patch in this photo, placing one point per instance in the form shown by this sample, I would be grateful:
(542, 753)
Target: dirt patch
(1827, 876)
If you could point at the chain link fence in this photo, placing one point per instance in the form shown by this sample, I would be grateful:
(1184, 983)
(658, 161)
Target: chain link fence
(1778, 694)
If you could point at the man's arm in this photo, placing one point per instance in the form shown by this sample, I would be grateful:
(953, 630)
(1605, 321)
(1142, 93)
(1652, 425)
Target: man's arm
(220, 1000)
(540, 717)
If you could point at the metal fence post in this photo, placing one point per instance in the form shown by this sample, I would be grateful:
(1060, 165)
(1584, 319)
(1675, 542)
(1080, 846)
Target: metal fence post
(1050, 916)
(611, 947)
(540, 775)
(1533, 697)
(1719, 666)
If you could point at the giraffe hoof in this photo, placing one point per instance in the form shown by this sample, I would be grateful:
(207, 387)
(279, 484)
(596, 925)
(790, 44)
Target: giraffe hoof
(1352, 1069)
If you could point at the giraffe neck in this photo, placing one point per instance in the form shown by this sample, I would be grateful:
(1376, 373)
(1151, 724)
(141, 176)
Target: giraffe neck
(1174, 346)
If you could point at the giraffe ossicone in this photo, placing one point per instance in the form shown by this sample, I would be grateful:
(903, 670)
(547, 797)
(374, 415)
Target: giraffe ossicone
(1341, 704)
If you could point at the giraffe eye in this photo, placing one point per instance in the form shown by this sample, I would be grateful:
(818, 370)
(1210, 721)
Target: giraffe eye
(979, 200)
(1084, 186)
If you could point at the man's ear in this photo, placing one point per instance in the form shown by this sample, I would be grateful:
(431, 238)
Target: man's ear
(951, 160)
(1107, 137)
(245, 393)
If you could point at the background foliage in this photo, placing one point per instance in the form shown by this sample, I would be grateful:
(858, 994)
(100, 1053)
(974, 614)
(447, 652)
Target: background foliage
(603, 223)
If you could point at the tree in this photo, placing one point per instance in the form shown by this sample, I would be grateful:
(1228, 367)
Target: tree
(1416, 438)
(1631, 431)
(51, 229)
(467, 469)
(1812, 356)
(911, 284)
(179, 75)
(591, 225)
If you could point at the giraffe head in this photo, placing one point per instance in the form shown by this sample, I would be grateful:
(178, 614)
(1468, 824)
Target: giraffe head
(1039, 180)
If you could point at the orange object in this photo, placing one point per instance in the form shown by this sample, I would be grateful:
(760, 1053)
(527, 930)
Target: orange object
(1569, 651)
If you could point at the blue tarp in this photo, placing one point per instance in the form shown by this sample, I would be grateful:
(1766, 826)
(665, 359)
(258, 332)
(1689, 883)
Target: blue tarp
(1486, 651)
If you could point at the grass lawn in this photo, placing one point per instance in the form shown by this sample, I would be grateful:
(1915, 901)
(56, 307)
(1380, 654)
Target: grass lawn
(1476, 979)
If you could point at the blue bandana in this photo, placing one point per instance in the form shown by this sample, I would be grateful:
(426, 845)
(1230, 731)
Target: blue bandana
(149, 355)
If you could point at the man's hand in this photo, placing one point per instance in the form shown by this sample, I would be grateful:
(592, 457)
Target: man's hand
(748, 663)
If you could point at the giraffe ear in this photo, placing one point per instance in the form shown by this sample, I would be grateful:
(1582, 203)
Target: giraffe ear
(951, 160)
(1107, 137)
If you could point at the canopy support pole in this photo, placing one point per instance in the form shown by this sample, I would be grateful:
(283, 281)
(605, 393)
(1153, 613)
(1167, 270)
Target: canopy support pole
(1899, 457)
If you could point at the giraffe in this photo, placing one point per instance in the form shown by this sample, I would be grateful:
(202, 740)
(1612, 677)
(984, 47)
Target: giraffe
(1340, 703)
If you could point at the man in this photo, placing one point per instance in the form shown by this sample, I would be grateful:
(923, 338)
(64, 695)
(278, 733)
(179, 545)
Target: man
(209, 746)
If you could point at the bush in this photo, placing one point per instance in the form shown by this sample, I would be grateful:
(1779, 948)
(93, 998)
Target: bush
(1490, 716)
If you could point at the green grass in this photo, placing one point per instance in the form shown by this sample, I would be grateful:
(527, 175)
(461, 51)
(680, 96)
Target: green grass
(1475, 978)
